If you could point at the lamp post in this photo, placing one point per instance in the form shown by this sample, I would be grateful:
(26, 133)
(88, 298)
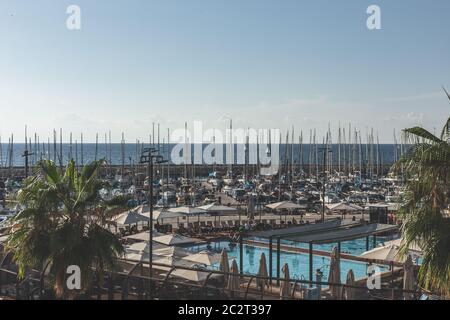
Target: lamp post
(325, 151)
(150, 156)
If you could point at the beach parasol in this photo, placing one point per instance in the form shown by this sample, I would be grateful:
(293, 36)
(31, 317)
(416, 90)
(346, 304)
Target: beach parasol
(262, 272)
(285, 287)
(191, 275)
(130, 217)
(283, 205)
(174, 239)
(408, 278)
(204, 257)
(350, 293)
(335, 274)
(142, 236)
(223, 263)
(233, 281)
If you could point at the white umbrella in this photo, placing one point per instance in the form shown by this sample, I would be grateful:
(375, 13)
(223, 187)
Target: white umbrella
(192, 275)
(174, 239)
(217, 208)
(188, 211)
(408, 278)
(223, 263)
(164, 214)
(283, 205)
(204, 257)
(234, 281)
(388, 253)
(142, 236)
(412, 248)
(130, 217)
(141, 209)
(342, 206)
(285, 287)
(185, 210)
(160, 215)
(140, 251)
(143, 247)
(335, 274)
(262, 272)
(172, 251)
(350, 293)
(173, 261)
(213, 207)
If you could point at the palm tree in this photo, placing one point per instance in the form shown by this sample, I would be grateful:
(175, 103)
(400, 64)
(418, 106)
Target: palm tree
(424, 212)
(63, 224)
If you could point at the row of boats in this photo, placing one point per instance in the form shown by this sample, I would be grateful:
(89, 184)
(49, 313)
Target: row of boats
(308, 191)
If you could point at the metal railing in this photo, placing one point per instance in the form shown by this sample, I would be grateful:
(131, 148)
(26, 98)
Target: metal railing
(134, 283)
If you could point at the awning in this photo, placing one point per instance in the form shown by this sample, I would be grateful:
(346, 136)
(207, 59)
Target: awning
(343, 234)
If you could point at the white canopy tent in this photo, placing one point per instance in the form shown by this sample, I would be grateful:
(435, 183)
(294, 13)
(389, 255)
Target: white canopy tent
(188, 211)
(288, 205)
(174, 239)
(129, 218)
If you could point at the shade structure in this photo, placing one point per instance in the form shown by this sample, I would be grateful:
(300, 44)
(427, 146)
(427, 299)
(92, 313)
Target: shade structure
(343, 207)
(388, 253)
(165, 214)
(223, 263)
(185, 210)
(412, 248)
(137, 256)
(213, 207)
(142, 236)
(130, 217)
(288, 205)
(173, 261)
(335, 274)
(141, 209)
(174, 239)
(285, 287)
(262, 272)
(143, 247)
(350, 293)
(171, 251)
(233, 280)
(140, 251)
(204, 257)
(191, 275)
(408, 278)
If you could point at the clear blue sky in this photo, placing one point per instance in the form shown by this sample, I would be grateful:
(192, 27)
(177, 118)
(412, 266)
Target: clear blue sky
(262, 63)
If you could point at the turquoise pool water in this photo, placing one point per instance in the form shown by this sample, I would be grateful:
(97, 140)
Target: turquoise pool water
(298, 262)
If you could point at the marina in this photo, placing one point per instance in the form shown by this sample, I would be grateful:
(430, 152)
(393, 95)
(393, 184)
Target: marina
(220, 158)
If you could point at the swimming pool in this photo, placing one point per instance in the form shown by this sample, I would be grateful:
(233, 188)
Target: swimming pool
(298, 262)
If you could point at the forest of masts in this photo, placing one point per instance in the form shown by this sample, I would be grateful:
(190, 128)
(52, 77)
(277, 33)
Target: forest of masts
(346, 155)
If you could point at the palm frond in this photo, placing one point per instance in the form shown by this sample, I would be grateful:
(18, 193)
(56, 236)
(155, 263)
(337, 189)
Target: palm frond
(418, 132)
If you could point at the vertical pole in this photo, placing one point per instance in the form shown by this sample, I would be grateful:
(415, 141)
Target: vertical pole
(270, 258)
(323, 184)
(367, 243)
(150, 203)
(310, 264)
(278, 260)
(241, 255)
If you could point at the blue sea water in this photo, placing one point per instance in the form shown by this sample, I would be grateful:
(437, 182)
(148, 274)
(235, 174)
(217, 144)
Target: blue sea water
(129, 153)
